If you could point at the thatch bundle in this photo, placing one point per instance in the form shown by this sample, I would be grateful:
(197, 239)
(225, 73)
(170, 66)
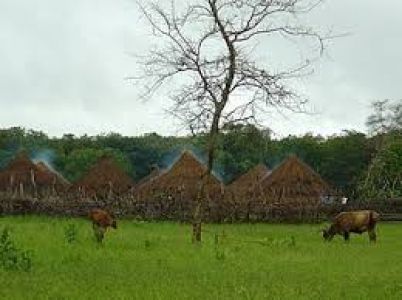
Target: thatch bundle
(184, 178)
(173, 193)
(293, 179)
(22, 173)
(243, 191)
(292, 189)
(105, 178)
(249, 181)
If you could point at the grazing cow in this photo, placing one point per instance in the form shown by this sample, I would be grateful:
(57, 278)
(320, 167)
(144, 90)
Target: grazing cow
(101, 220)
(355, 222)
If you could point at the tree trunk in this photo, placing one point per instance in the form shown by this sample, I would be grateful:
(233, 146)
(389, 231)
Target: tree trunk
(202, 190)
(213, 133)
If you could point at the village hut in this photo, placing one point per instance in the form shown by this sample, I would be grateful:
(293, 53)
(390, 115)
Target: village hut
(249, 181)
(293, 180)
(243, 191)
(177, 188)
(23, 176)
(104, 179)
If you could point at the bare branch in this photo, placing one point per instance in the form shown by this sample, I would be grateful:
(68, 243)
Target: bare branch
(186, 60)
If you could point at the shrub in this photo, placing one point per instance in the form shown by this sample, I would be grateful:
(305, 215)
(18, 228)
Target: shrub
(71, 233)
(147, 244)
(11, 257)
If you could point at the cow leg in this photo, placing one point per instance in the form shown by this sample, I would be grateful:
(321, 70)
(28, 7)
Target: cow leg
(372, 235)
(99, 233)
(95, 228)
(346, 236)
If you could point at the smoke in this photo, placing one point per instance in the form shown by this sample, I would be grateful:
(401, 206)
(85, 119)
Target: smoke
(170, 158)
(46, 156)
(202, 157)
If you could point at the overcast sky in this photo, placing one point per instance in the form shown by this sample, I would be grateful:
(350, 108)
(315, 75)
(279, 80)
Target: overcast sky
(63, 64)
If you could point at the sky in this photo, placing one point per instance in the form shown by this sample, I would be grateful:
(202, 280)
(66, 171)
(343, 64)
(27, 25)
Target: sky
(64, 64)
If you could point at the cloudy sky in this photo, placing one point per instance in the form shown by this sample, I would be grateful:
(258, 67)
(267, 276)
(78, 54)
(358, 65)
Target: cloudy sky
(63, 64)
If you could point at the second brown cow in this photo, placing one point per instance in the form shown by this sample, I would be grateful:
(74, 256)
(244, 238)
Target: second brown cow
(353, 222)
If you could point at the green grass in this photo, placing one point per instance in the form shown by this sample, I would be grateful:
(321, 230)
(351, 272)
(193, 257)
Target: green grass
(157, 261)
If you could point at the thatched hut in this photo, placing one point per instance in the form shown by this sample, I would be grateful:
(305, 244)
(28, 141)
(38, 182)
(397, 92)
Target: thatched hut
(244, 190)
(23, 176)
(293, 180)
(104, 179)
(249, 181)
(175, 190)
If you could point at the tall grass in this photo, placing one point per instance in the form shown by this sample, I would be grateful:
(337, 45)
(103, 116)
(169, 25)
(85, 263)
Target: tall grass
(157, 261)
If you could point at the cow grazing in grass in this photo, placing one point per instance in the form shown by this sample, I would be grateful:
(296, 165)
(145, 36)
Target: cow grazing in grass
(101, 220)
(353, 222)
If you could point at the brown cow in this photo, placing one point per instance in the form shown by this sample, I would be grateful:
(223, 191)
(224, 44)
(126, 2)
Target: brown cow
(355, 222)
(101, 220)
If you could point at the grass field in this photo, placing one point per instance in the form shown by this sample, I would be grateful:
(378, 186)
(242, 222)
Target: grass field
(157, 261)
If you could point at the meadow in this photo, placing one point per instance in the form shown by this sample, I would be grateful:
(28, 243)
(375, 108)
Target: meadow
(142, 260)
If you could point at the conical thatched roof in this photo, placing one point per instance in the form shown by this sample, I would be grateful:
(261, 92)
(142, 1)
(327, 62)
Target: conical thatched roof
(294, 178)
(186, 168)
(248, 181)
(105, 175)
(255, 174)
(183, 175)
(57, 177)
(22, 170)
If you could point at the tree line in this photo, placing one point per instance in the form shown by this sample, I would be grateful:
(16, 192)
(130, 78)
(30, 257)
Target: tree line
(354, 163)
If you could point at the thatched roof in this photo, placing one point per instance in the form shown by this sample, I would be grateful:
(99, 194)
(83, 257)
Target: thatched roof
(58, 178)
(186, 168)
(22, 170)
(255, 174)
(105, 175)
(248, 181)
(294, 178)
(183, 175)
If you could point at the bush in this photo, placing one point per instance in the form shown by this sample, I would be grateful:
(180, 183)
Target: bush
(11, 257)
(71, 233)
(384, 176)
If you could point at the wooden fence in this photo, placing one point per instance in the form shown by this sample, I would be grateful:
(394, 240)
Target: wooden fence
(180, 209)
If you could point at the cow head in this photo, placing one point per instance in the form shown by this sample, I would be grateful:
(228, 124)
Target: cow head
(327, 234)
(114, 224)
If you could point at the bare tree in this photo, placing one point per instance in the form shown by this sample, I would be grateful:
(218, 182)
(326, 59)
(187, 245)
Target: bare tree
(379, 121)
(385, 119)
(396, 116)
(206, 50)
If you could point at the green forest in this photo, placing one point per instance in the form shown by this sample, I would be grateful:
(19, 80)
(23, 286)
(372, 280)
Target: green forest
(358, 165)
